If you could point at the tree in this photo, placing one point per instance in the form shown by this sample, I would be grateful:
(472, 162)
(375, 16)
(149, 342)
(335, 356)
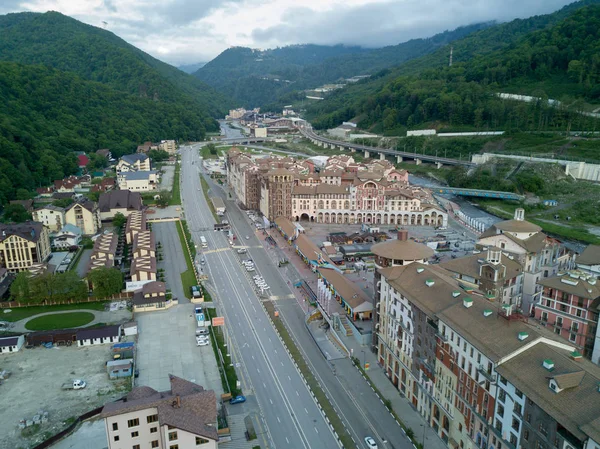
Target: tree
(163, 199)
(87, 243)
(158, 155)
(63, 202)
(15, 213)
(106, 281)
(24, 194)
(19, 289)
(212, 148)
(119, 220)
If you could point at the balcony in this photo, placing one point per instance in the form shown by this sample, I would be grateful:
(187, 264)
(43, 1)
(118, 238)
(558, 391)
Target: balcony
(485, 373)
(441, 336)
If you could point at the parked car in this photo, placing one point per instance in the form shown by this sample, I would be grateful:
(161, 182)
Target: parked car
(237, 400)
(242, 251)
(201, 331)
(202, 342)
(77, 384)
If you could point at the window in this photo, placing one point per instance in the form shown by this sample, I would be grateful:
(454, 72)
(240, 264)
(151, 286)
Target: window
(116, 438)
(500, 410)
(115, 426)
(516, 424)
(517, 409)
(133, 422)
(136, 446)
(174, 446)
(502, 380)
(513, 439)
(172, 436)
(152, 418)
(502, 395)
(153, 429)
(528, 418)
(135, 434)
(154, 443)
(518, 393)
(200, 441)
(460, 427)
(526, 434)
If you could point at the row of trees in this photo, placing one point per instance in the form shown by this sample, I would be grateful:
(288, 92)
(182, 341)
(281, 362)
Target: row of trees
(65, 286)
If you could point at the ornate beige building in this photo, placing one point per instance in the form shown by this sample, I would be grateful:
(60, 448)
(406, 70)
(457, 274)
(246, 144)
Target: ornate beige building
(343, 192)
(23, 245)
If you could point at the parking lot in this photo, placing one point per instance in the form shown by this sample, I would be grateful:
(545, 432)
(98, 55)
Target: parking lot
(167, 345)
(35, 385)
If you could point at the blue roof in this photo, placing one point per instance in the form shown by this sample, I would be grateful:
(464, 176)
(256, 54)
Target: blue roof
(123, 345)
(137, 175)
(70, 229)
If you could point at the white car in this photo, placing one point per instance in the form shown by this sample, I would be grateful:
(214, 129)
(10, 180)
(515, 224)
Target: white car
(247, 237)
(370, 442)
(202, 342)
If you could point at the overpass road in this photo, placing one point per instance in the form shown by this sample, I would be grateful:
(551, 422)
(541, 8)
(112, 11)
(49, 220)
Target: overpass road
(310, 134)
(292, 416)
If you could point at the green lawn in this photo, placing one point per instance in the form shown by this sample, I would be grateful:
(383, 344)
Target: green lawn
(60, 321)
(176, 195)
(206, 154)
(206, 195)
(20, 313)
(188, 277)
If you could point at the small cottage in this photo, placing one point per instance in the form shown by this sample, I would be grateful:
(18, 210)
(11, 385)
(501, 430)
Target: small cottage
(119, 368)
(99, 335)
(11, 344)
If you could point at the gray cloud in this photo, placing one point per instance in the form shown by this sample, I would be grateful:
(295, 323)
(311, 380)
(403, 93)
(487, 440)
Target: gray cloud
(182, 12)
(110, 6)
(7, 6)
(384, 23)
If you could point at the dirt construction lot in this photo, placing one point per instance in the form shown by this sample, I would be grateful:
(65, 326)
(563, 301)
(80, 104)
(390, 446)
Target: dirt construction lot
(35, 385)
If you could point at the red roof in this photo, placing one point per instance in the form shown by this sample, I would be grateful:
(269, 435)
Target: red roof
(83, 160)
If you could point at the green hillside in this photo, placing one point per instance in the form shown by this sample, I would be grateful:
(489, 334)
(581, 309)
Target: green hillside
(58, 41)
(530, 56)
(48, 114)
(259, 78)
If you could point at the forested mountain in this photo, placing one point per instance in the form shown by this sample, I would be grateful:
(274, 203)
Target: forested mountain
(555, 55)
(191, 68)
(58, 41)
(47, 113)
(256, 78)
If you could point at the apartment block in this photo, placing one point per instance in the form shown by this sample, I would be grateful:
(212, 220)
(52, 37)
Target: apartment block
(541, 256)
(480, 373)
(569, 308)
(85, 215)
(23, 245)
(134, 162)
(183, 417)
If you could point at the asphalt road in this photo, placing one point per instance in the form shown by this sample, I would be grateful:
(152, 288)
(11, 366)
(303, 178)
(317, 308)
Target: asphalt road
(355, 402)
(292, 416)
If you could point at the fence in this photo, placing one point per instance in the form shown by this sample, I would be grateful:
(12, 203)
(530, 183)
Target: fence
(60, 435)
(15, 304)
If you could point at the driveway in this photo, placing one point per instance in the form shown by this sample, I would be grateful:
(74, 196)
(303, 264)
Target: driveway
(173, 257)
(167, 345)
(166, 181)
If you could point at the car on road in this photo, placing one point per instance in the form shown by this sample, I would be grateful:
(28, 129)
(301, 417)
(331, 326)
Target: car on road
(247, 237)
(201, 331)
(237, 400)
(370, 442)
(202, 342)
(242, 251)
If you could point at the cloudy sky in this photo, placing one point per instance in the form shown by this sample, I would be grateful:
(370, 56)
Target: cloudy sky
(189, 31)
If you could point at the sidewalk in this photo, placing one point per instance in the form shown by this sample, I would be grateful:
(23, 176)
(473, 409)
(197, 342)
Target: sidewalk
(403, 408)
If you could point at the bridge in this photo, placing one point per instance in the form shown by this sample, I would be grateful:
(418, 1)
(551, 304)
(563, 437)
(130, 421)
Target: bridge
(477, 193)
(383, 152)
(245, 140)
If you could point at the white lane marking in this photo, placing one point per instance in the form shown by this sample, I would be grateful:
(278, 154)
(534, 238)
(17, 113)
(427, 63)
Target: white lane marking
(297, 394)
(289, 378)
(252, 357)
(286, 439)
(316, 430)
(271, 401)
(258, 370)
(278, 420)
(306, 410)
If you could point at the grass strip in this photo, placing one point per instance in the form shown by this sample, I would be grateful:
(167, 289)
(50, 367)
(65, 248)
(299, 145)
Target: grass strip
(205, 189)
(20, 313)
(229, 377)
(176, 194)
(65, 320)
(188, 277)
(330, 412)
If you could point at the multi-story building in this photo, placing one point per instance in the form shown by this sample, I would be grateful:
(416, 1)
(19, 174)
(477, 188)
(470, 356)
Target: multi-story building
(119, 201)
(85, 215)
(183, 417)
(104, 252)
(52, 217)
(134, 162)
(138, 181)
(495, 274)
(489, 365)
(569, 308)
(23, 245)
(344, 192)
(541, 256)
(589, 260)
(170, 146)
(276, 194)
